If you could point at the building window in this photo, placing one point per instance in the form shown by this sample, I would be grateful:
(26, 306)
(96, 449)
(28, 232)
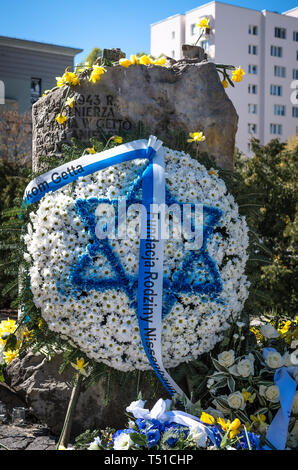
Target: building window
(275, 90)
(193, 29)
(252, 108)
(296, 55)
(252, 128)
(279, 71)
(173, 54)
(173, 34)
(276, 129)
(35, 91)
(253, 69)
(279, 110)
(295, 111)
(280, 33)
(205, 45)
(252, 89)
(295, 74)
(253, 29)
(276, 51)
(295, 35)
(252, 49)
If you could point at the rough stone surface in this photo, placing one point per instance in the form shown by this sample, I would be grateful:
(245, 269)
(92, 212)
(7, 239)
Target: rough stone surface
(32, 437)
(184, 97)
(46, 393)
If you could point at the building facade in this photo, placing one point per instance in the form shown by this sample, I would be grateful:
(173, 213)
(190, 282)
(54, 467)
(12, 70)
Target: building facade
(27, 68)
(264, 43)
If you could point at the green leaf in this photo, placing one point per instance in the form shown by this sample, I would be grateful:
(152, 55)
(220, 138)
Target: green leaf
(138, 439)
(231, 384)
(11, 342)
(219, 367)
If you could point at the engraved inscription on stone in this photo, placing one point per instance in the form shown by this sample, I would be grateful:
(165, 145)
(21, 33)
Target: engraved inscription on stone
(95, 113)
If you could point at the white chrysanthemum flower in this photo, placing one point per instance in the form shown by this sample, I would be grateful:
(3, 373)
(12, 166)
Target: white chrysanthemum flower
(103, 323)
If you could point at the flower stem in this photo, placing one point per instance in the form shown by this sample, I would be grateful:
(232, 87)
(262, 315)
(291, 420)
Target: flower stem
(66, 429)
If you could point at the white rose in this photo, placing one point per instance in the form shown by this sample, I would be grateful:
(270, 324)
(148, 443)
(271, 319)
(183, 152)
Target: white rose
(226, 358)
(269, 331)
(271, 393)
(295, 404)
(122, 442)
(274, 360)
(244, 368)
(236, 401)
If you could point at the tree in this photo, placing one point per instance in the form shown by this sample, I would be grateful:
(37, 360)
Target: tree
(270, 178)
(93, 56)
(15, 136)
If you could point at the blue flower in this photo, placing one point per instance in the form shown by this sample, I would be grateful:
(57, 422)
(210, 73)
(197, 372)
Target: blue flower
(122, 431)
(153, 436)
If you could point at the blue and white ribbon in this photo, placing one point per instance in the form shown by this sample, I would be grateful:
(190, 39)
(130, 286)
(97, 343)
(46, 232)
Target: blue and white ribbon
(278, 429)
(150, 281)
(86, 165)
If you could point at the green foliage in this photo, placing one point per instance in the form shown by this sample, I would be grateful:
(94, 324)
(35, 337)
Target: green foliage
(270, 182)
(13, 180)
(83, 440)
(93, 55)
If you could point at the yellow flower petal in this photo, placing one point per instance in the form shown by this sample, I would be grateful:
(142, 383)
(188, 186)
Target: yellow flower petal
(125, 63)
(60, 118)
(70, 102)
(206, 418)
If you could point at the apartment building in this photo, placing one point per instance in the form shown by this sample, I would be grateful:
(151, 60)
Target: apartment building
(27, 68)
(264, 43)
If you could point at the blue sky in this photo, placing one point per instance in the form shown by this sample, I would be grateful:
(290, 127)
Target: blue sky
(101, 23)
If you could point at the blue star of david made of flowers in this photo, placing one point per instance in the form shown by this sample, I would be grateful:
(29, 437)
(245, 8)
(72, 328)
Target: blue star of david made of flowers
(197, 274)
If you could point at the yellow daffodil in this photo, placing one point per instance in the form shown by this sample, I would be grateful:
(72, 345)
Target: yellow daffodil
(237, 75)
(134, 59)
(90, 150)
(145, 60)
(161, 61)
(196, 137)
(46, 92)
(234, 428)
(68, 78)
(206, 418)
(225, 83)
(117, 138)
(60, 118)
(259, 421)
(7, 326)
(70, 102)
(231, 427)
(125, 63)
(97, 72)
(10, 355)
(250, 397)
(204, 23)
(80, 366)
(40, 323)
(71, 78)
(60, 81)
(285, 326)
